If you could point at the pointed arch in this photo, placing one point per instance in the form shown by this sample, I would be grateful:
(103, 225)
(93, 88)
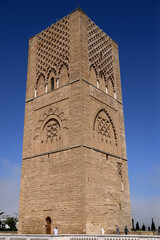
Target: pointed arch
(63, 74)
(93, 75)
(102, 81)
(110, 86)
(63, 64)
(52, 75)
(103, 124)
(48, 225)
(40, 85)
(53, 68)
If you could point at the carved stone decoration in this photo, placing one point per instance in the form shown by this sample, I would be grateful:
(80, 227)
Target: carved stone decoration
(51, 131)
(51, 125)
(100, 53)
(119, 168)
(104, 128)
(53, 49)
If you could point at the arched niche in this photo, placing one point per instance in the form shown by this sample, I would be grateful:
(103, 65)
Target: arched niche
(104, 129)
(51, 131)
(93, 76)
(63, 75)
(102, 82)
(48, 225)
(40, 86)
(110, 87)
(52, 76)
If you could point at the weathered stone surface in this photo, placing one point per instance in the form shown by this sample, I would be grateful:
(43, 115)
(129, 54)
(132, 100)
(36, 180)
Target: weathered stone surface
(74, 165)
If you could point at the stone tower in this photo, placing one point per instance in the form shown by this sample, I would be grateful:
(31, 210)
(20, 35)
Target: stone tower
(74, 164)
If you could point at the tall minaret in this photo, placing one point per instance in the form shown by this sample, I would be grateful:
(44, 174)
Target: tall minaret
(74, 164)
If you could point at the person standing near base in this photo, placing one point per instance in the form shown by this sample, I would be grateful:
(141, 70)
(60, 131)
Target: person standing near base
(102, 231)
(117, 229)
(126, 230)
(55, 231)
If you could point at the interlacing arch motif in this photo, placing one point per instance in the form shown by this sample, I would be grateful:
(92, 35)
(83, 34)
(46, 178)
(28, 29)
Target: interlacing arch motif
(103, 125)
(49, 71)
(102, 81)
(50, 126)
(119, 168)
(51, 79)
(40, 76)
(53, 48)
(112, 82)
(40, 85)
(90, 68)
(100, 52)
(62, 65)
(102, 74)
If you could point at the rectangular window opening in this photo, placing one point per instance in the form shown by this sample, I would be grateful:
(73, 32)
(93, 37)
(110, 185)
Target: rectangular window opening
(52, 84)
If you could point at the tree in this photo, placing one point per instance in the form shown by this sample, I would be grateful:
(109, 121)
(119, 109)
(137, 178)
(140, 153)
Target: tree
(137, 226)
(153, 227)
(143, 227)
(132, 223)
(1, 213)
(11, 222)
(0, 220)
(149, 229)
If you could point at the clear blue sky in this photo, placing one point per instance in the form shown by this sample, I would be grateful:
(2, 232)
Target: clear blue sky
(135, 26)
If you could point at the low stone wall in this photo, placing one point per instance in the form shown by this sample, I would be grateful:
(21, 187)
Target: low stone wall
(76, 237)
(8, 232)
(142, 233)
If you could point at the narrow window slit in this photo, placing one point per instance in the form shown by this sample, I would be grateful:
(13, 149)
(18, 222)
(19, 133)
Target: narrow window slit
(52, 84)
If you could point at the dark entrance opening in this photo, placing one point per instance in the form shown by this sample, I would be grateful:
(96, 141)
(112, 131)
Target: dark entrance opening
(48, 225)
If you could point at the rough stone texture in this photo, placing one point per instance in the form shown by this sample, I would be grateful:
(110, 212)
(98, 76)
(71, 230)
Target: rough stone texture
(74, 165)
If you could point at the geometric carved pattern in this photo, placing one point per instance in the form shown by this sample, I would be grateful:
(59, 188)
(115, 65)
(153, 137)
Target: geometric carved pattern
(104, 127)
(119, 168)
(100, 52)
(52, 130)
(50, 125)
(53, 48)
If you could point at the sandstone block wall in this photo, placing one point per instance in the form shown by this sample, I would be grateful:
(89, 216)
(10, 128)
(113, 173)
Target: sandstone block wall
(74, 165)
